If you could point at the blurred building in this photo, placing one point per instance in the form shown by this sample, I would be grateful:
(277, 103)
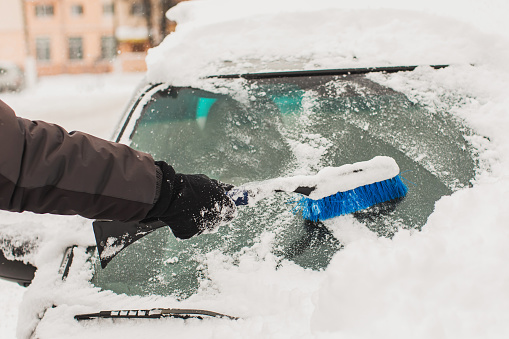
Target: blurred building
(82, 36)
(139, 25)
(12, 39)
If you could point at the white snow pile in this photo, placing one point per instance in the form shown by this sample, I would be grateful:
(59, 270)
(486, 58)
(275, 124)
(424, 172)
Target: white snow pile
(448, 281)
(238, 36)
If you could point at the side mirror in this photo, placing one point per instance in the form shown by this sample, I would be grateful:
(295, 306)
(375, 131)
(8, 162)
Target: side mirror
(16, 271)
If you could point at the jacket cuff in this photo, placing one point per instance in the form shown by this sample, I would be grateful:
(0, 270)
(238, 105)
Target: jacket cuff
(165, 176)
(159, 179)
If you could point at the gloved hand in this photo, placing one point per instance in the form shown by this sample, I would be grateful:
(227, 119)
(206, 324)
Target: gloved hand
(191, 204)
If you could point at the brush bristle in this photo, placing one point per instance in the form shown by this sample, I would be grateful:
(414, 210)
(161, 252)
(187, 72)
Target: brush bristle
(351, 201)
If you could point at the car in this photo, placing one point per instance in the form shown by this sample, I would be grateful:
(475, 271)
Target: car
(246, 117)
(11, 77)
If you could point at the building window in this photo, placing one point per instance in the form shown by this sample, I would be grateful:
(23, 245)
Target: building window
(137, 9)
(44, 10)
(108, 9)
(75, 48)
(42, 49)
(108, 47)
(138, 47)
(77, 10)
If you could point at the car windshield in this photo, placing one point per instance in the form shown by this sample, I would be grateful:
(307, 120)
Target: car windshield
(266, 128)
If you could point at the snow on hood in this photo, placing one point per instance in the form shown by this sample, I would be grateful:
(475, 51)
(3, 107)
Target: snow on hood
(239, 36)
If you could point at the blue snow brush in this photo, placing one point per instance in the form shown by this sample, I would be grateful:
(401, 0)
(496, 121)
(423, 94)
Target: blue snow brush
(334, 191)
(353, 200)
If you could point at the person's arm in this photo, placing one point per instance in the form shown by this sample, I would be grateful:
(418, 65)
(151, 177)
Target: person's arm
(44, 169)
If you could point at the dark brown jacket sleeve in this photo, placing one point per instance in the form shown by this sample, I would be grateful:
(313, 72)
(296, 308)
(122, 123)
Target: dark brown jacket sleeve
(44, 169)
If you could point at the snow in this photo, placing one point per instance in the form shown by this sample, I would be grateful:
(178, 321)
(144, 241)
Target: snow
(110, 249)
(447, 281)
(9, 304)
(317, 35)
(329, 180)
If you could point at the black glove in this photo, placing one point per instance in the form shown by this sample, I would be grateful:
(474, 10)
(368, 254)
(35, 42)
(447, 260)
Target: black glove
(191, 204)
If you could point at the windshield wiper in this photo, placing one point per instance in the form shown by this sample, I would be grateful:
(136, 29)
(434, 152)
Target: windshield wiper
(301, 73)
(154, 313)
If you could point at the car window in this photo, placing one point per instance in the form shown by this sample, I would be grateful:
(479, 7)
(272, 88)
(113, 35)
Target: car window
(278, 127)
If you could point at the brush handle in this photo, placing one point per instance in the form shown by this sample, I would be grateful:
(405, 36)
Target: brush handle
(241, 196)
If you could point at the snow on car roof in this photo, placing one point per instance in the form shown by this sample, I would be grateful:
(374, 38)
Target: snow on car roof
(224, 36)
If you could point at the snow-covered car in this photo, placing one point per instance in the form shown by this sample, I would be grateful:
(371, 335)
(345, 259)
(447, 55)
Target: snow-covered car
(257, 126)
(11, 77)
(247, 92)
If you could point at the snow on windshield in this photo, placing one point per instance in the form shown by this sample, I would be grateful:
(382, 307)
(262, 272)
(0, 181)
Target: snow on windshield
(449, 280)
